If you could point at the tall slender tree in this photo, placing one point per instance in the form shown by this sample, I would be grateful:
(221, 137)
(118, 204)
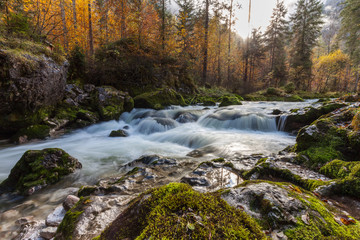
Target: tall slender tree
(65, 30)
(306, 28)
(350, 25)
(206, 40)
(91, 35)
(275, 43)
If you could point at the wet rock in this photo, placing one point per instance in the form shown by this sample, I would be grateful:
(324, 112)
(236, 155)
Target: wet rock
(37, 169)
(266, 199)
(26, 92)
(210, 176)
(276, 112)
(30, 229)
(87, 116)
(186, 118)
(152, 160)
(30, 133)
(48, 233)
(54, 219)
(119, 133)
(228, 101)
(328, 138)
(159, 99)
(301, 118)
(70, 201)
(91, 216)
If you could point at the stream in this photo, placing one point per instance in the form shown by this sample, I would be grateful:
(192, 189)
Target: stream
(228, 132)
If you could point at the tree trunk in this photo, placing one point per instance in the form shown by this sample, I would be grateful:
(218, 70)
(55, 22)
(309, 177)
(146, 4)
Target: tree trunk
(91, 39)
(219, 56)
(74, 15)
(63, 18)
(123, 27)
(229, 46)
(163, 24)
(206, 42)
(356, 82)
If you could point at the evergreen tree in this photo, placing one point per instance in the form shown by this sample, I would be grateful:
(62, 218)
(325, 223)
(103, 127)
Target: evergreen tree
(275, 42)
(185, 25)
(350, 25)
(306, 28)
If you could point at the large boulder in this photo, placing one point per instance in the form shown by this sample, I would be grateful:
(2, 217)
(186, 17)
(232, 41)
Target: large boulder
(159, 99)
(176, 211)
(38, 168)
(300, 118)
(289, 212)
(328, 138)
(230, 100)
(29, 85)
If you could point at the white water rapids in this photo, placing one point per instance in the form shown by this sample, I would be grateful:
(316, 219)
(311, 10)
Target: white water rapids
(218, 132)
(222, 132)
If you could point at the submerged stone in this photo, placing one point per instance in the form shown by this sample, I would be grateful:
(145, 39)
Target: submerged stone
(119, 133)
(37, 169)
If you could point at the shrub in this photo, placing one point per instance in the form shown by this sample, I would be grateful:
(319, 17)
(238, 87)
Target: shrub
(290, 87)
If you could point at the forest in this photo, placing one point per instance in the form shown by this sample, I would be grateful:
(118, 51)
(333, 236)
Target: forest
(138, 43)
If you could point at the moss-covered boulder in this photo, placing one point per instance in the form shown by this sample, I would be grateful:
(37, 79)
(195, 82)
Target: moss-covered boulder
(230, 100)
(38, 168)
(291, 211)
(31, 132)
(159, 99)
(32, 79)
(176, 211)
(111, 102)
(328, 138)
(301, 118)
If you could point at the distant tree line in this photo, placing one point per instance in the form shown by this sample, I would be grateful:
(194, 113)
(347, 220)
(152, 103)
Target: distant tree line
(198, 42)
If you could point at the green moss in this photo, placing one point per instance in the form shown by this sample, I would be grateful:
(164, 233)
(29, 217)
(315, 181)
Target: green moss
(349, 186)
(35, 169)
(67, 226)
(321, 216)
(176, 211)
(32, 48)
(218, 160)
(260, 161)
(341, 169)
(229, 100)
(265, 170)
(159, 99)
(322, 224)
(34, 132)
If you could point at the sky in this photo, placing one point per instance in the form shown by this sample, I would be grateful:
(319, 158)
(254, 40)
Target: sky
(261, 11)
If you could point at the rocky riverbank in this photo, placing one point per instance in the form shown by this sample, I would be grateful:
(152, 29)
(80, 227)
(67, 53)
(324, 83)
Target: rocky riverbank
(307, 191)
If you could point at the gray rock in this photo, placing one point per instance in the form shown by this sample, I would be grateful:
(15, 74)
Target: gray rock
(70, 201)
(186, 118)
(119, 133)
(55, 218)
(27, 91)
(30, 230)
(97, 215)
(261, 199)
(48, 233)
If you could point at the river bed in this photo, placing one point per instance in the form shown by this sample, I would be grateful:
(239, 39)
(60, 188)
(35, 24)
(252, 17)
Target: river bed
(228, 132)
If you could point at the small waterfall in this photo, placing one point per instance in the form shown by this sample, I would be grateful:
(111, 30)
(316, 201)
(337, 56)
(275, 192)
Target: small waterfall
(282, 122)
(252, 122)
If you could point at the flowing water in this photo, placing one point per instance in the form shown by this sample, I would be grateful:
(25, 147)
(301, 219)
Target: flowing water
(218, 132)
